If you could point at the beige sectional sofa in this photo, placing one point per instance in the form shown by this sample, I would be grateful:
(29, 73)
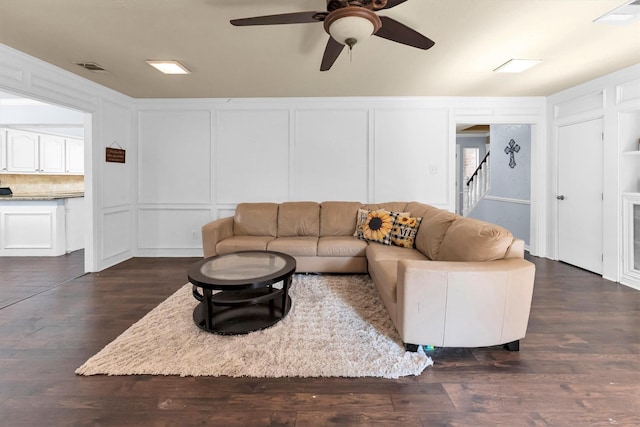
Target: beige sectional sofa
(465, 284)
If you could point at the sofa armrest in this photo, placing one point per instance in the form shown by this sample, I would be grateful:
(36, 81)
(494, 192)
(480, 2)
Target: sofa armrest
(214, 232)
(463, 304)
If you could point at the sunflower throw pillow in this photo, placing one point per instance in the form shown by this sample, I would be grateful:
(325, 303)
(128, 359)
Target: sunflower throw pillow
(405, 230)
(378, 226)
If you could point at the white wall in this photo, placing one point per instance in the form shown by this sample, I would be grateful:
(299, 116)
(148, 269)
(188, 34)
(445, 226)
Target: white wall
(199, 158)
(616, 99)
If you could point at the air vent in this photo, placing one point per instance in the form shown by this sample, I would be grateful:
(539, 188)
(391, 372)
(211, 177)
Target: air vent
(91, 66)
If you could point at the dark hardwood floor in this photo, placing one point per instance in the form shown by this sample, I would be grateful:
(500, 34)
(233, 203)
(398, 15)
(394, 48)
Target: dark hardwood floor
(579, 364)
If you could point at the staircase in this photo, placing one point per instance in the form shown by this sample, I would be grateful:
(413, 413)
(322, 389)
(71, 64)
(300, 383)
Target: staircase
(476, 187)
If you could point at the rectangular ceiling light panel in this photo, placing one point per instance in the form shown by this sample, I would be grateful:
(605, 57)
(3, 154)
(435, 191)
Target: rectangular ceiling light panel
(169, 67)
(517, 65)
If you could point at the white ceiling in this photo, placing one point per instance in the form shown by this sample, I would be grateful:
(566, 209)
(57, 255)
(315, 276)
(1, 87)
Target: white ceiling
(472, 37)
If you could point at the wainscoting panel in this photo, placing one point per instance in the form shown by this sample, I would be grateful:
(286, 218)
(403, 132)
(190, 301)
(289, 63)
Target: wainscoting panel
(162, 228)
(175, 157)
(28, 230)
(252, 155)
(117, 235)
(32, 229)
(411, 155)
(117, 177)
(331, 158)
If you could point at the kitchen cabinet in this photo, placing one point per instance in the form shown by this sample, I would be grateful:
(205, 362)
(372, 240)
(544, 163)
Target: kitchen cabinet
(74, 156)
(31, 152)
(3, 150)
(46, 226)
(52, 154)
(22, 151)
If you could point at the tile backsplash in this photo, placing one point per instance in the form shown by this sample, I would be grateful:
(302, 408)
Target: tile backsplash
(37, 184)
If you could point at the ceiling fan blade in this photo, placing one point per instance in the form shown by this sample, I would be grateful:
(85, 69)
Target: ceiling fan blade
(284, 18)
(393, 3)
(400, 33)
(331, 53)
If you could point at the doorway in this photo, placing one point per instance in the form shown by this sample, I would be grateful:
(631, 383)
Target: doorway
(68, 130)
(505, 152)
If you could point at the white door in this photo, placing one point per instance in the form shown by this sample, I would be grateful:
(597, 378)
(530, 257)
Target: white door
(579, 195)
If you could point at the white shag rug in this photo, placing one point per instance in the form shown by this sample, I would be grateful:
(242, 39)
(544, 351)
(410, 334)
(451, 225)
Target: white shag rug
(337, 327)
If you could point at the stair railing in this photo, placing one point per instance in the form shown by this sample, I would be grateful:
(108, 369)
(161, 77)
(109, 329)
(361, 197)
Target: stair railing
(477, 186)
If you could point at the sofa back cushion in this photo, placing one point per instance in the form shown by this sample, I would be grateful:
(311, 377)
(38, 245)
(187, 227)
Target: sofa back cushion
(338, 218)
(387, 206)
(256, 219)
(434, 226)
(298, 219)
(470, 239)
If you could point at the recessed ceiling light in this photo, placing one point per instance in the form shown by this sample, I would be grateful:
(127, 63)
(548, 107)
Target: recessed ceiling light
(169, 67)
(621, 15)
(517, 65)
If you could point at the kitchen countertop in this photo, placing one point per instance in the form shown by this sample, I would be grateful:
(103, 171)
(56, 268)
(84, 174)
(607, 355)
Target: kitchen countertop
(52, 196)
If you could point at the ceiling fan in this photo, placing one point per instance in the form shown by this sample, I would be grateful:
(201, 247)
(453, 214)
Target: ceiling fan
(348, 22)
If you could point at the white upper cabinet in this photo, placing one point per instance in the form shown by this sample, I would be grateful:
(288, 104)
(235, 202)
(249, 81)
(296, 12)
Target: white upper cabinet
(22, 151)
(52, 154)
(75, 156)
(3, 150)
(31, 152)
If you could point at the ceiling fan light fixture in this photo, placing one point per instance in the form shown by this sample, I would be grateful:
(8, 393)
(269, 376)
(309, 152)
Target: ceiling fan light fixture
(351, 25)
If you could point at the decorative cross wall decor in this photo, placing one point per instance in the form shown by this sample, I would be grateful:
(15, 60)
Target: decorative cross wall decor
(511, 149)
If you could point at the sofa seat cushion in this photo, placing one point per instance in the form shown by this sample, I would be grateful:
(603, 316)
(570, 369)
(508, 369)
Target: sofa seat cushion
(295, 246)
(377, 252)
(243, 243)
(385, 277)
(347, 246)
(256, 219)
(298, 219)
(470, 239)
(338, 218)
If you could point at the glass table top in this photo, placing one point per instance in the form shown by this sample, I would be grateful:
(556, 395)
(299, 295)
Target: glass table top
(243, 266)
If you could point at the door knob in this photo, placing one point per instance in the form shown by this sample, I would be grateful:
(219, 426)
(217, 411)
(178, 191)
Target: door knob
(560, 197)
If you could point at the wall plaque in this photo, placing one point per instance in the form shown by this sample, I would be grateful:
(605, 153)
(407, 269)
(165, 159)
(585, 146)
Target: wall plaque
(115, 155)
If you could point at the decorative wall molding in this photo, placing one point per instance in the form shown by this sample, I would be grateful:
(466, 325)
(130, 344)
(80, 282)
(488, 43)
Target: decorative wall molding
(628, 91)
(508, 200)
(11, 75)
(40, 225)
(591, 102)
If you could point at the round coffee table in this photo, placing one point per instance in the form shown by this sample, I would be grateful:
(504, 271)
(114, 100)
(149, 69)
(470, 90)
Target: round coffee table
(247, 299)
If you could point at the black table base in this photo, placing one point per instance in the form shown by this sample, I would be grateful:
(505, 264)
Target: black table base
(237, 320)
(243, 311)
